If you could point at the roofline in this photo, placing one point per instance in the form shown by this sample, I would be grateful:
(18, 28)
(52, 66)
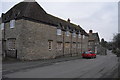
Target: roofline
(72, 25)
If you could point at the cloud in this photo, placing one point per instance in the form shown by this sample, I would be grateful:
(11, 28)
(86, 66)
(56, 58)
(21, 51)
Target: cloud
(104, 20)
(100, 16)
(64, 0)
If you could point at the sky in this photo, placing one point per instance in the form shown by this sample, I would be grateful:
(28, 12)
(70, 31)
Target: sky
(98, 15)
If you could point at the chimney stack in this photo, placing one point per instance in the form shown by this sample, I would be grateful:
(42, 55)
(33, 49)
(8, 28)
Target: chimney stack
(68, 20)
(90, 31)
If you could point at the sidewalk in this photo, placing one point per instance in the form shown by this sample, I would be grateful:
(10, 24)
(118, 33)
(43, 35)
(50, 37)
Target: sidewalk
(10, 67)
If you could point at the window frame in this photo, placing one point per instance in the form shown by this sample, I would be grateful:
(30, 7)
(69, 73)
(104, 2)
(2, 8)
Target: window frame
(67, 33)
(59, 47)
(67, 44)
(11, 43)
(83, 36)
(79, 35)
(74, 44)
(12, 24)
(50, 44)
(74, 34)
(59, 32)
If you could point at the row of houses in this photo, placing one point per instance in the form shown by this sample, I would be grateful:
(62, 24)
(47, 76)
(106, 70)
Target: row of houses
(30, 33)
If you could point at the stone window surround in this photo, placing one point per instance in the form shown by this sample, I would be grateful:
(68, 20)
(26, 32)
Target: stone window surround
(50, 43)
(67, 33)
(59, 45)
(12, 24)
(59, 32)
(11, 43)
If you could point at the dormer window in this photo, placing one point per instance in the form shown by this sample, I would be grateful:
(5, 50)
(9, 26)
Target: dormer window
(67, 33)
(2, 26)
(79, 35)
(59, 32)
(12, 23)
(74, 34)
(83, 36)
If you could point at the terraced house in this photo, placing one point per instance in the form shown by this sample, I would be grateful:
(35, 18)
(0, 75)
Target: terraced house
(30, 33)
(93, 42)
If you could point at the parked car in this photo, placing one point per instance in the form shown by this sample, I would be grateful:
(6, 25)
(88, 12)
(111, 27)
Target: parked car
(89, 54)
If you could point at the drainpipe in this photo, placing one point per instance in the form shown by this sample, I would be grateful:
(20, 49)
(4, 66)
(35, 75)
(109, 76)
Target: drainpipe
(3, 38)
(3, 43)
(77, 44)
(63, 42)
(81, 42)
(71, 45)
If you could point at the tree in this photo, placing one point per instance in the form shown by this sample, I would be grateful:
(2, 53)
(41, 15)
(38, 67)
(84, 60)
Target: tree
(116, 40)
(116, 44)
(103, 43)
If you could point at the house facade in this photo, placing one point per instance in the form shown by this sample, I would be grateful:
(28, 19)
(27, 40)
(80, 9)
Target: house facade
(93, 41)
(30, 33)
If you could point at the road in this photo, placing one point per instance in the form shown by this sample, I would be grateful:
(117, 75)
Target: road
(100, 67)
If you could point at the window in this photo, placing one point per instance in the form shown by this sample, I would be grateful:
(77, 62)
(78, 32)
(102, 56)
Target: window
(11, 44)
(59, 45)
(67, 33)
(83, 36)
(79, 35)
(12, 23)
(79, 45)
(74, 34)
(67, 45)
(74, 45)
(90, 43)
(59, 32)
(2, 26)
(50, 45)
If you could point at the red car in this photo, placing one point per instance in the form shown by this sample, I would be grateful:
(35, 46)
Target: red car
(89, 54)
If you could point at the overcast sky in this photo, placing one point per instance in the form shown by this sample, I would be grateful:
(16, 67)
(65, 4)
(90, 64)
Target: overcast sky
(100, 16)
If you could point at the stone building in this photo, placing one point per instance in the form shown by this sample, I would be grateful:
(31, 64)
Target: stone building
(0, 38)
(30, 33)
(93, 41)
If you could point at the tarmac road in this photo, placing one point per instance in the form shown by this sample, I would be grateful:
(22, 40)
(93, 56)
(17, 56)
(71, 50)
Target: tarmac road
(100, 67)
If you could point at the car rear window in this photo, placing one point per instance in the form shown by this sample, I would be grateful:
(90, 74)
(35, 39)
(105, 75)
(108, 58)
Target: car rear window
(87, 53)
(90, 52)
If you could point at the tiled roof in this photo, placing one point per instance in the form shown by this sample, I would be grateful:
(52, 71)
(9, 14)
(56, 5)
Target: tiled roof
(33, 11)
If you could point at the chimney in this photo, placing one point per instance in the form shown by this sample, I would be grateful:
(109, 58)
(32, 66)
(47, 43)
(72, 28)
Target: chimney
(90, 31)
(68, 20)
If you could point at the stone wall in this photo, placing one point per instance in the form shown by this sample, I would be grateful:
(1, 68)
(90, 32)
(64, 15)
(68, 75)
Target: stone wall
(32, 41)
(67, 44)
(0, 38)
(36, 38)
(16, 33)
